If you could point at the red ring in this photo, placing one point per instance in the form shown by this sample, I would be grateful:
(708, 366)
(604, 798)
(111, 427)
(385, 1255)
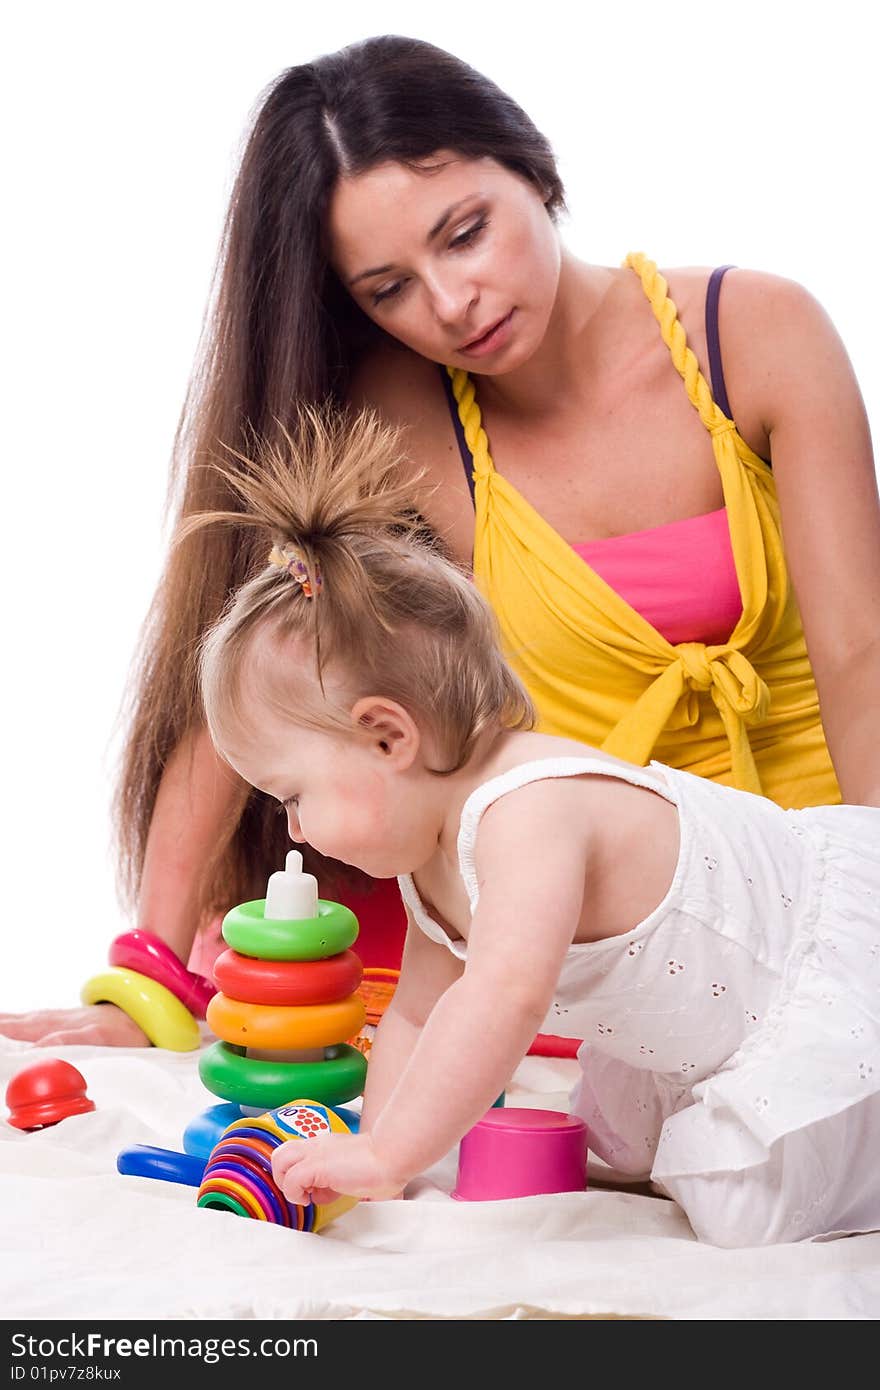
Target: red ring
(253, 981)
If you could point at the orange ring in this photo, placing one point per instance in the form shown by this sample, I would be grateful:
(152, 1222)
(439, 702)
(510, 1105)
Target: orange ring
(284, 1026)
(288, 981)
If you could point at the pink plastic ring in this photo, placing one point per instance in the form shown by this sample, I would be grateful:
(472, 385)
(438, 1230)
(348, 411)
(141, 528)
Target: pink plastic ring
(142, 951)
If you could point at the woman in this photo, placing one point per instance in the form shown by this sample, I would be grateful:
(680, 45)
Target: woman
(392, 240)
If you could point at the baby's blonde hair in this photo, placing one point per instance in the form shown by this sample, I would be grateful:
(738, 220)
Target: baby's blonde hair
(381, 605)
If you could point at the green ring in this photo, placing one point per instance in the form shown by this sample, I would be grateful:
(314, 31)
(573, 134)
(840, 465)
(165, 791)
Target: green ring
(245, 929)
(229, 1073)
(222, 1201)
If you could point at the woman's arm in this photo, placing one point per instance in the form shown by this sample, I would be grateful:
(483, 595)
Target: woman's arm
(789, 374)
(195, 797)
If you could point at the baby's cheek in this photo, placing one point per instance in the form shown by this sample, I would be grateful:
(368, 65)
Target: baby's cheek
(342, 829)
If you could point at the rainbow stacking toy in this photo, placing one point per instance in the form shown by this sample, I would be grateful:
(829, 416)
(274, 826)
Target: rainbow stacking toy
(238, 1174)
(285, 1007)
(286, 1001)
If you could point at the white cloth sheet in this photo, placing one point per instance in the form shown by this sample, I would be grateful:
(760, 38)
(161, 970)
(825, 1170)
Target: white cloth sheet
(81, 1241)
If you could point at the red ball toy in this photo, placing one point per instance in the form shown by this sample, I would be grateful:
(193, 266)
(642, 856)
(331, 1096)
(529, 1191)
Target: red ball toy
(45, 1093)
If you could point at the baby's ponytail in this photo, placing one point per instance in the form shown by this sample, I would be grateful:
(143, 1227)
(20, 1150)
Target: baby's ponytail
(351, 574)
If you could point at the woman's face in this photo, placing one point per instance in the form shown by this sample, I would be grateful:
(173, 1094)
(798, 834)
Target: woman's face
(458, 258)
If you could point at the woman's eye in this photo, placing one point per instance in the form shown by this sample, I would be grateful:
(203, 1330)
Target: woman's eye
(285, 805)
(471, 234)
(391, 293)
(464, 239)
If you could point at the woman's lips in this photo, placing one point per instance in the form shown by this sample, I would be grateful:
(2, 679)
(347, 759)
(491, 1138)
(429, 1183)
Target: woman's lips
(491, 341)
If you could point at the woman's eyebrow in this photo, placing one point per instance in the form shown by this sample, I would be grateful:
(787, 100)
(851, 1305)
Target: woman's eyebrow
(434, 232)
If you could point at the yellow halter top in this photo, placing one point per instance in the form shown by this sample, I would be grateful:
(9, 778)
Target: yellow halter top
(746, 712)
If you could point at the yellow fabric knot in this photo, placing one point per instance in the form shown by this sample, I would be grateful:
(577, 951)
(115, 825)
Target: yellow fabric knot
(695, 660)
(671, 703)
(733, 676)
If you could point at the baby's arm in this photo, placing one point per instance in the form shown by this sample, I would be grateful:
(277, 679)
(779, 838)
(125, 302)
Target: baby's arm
(482, 1025)
(426, 971)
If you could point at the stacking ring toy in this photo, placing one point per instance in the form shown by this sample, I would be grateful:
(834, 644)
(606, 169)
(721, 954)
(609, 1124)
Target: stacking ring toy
(212, 1197)
(238, 1175)
(228, 1158)
(239, 1189)
(144, 1161)
(227, 1072)
(203, 1132)
(288, 981)
(245, 929)
(141, 950)
(153, 1007)
(281, 1026)
(243, 1158)
(296, 1119)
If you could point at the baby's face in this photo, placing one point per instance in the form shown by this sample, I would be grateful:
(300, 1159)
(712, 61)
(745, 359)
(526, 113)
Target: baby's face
(338, 794)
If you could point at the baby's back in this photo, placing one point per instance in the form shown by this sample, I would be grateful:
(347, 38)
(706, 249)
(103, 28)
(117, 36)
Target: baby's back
(680, 990)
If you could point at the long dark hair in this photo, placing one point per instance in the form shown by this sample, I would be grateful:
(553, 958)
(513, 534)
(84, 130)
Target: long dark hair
(280, 331)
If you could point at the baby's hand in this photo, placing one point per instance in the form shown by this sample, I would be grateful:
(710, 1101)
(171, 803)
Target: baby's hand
(321, 1169)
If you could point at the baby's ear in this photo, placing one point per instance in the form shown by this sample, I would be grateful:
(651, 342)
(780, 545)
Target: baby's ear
(391, 730)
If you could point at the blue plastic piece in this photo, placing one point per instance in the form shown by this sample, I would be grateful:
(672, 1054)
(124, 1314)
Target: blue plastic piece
(202, 1133)
(348, 1117)
(145, 1161)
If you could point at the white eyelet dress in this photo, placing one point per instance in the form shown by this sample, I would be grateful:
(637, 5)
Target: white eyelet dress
(731, 1039)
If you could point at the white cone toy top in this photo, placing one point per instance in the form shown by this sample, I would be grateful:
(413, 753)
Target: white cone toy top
(291, 895)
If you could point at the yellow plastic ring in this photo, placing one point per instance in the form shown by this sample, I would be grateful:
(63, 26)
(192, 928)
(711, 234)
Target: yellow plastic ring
(285, 1025)
(166, 1022)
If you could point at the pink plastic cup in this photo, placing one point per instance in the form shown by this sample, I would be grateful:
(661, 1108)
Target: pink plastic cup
(520, 1153)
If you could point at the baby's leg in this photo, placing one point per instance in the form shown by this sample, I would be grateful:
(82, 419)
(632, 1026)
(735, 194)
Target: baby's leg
(821, 1180)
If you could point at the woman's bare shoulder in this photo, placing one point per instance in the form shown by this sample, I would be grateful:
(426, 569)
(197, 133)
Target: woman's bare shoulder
(764, 319)
(751, 301)
(405, 388)
(407, 391)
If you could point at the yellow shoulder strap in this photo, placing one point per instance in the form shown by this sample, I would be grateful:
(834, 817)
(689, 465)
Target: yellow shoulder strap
(471, 421)
(675, 338)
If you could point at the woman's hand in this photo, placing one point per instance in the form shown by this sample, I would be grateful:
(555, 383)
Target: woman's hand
(98, 1025)
(324, 1168)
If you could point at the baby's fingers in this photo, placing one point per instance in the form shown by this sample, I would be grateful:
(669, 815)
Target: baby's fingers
(298, 1186)
(323, 1196)
(293, 1171)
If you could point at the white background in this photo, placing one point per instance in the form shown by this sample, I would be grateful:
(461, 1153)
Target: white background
(701, 134)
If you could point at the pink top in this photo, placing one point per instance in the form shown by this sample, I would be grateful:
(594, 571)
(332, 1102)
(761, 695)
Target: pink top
(680, 577)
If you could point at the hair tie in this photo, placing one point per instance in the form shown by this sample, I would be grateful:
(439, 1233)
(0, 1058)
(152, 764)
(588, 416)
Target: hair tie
(290, 559)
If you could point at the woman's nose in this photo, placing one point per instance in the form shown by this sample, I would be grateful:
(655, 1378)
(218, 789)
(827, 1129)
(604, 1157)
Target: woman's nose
(293, 827)
(452, 298)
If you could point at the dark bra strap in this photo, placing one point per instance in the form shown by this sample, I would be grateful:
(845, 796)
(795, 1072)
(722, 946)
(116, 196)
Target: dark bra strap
(463, 449)
(716, 370)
